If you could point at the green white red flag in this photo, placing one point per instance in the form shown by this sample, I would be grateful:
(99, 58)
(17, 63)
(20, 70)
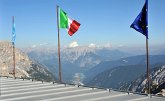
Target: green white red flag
(68, 23)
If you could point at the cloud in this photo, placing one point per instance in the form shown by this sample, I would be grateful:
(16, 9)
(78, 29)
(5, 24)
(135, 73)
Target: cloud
(73, 44)
(92, 45)
(39, 45)
(34, 46)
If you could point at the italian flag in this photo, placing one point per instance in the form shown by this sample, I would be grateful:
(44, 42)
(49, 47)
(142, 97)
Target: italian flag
(68, 23)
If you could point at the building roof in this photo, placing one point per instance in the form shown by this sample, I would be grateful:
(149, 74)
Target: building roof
(26, 90)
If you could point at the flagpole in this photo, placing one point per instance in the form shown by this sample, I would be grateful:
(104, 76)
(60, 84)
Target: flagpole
(148, 69)
(59, 59)
(147, 53)
(13, 56)
(13, 60)
(140, 24)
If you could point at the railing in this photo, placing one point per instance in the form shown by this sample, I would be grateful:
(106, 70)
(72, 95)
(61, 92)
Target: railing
(93, 87)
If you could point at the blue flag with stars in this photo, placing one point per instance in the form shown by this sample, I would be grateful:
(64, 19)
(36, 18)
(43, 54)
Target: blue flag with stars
(140, 24)
(13, 32)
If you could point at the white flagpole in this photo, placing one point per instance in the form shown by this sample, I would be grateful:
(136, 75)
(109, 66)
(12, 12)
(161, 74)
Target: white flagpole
(59, 58)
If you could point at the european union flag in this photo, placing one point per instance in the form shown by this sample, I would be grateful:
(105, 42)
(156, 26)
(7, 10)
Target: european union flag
(141, 22)
(13, 32)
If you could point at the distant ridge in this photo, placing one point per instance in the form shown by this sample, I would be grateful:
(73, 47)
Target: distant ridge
(133, 60)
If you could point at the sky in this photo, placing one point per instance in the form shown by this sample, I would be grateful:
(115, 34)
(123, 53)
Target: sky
(103, 22)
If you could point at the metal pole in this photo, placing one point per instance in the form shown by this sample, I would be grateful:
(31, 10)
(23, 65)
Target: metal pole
(148, 68)
(13, 56)
(13, 60)
(59, 59)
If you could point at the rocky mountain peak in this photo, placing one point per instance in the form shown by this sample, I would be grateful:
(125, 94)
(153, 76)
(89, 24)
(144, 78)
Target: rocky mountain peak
(24, 66)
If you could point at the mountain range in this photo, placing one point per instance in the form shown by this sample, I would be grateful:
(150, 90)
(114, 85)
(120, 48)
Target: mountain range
(74, 60)
(91, 62)
(119, 77)
(132, 60)
(94, 66)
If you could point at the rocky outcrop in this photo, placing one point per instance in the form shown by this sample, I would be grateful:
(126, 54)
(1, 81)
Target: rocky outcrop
(24, 66)
(157, 76)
